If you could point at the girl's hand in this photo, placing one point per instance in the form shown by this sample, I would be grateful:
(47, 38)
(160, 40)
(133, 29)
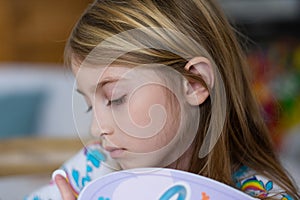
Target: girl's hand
(64, 188)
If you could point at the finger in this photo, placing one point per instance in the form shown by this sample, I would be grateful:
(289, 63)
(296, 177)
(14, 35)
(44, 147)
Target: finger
(64, 188)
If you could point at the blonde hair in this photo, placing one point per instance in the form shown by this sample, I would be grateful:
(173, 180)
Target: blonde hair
(244, 140)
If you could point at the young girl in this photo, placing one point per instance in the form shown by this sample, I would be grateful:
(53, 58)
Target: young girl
(168, 86)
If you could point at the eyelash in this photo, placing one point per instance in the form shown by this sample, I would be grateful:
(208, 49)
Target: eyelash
(116, 102)
(89, 109)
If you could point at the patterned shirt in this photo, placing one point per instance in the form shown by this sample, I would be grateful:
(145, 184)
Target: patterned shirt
(91, 163)
(258, 186)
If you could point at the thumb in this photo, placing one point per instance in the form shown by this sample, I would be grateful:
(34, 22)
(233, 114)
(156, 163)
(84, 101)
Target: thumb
(64, 188)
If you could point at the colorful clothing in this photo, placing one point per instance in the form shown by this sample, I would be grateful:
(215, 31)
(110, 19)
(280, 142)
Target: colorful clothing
(90, 163)
(93, 162)
(258, 186)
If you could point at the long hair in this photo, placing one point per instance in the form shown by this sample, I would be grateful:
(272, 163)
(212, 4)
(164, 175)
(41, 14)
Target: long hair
(244, 140)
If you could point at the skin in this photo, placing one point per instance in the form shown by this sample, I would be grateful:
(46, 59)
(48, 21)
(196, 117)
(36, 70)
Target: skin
(130, 144)
(64, 188)
(132, 115)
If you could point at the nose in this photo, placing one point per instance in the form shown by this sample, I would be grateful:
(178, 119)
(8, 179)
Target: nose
(100, 126)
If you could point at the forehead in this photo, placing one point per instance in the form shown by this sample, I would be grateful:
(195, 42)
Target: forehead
(88, 77)
(92, 75)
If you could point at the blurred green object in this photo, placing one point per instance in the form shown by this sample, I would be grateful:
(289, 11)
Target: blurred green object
(276, 83)
(19, 113)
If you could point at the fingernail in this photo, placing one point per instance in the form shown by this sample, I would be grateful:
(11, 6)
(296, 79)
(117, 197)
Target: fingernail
(60, 172)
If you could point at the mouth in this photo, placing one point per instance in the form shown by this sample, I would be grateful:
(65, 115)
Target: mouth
(115, 152)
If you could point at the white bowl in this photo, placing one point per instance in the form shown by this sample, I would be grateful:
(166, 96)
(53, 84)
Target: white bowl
(158, 184)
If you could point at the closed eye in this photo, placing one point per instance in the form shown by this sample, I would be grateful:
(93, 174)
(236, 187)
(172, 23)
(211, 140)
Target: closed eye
(90, 108)
(118, 101)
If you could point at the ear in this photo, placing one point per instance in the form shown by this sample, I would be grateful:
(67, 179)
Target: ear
(196, 93)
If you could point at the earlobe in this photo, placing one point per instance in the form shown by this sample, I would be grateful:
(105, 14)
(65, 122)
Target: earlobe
(196, 93)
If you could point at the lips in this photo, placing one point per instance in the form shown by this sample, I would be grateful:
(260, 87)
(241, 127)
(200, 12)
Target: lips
(115, 152)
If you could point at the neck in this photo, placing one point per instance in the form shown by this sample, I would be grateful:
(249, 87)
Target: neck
(184, 162)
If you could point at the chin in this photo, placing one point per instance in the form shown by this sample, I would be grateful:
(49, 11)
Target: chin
(143, 162)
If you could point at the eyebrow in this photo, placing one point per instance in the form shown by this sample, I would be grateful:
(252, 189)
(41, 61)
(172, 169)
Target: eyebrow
(103, 83)
(108, 81)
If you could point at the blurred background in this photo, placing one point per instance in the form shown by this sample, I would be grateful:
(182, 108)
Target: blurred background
(37, 131)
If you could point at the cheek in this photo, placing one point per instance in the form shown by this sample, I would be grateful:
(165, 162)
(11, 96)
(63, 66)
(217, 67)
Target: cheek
(142, 104)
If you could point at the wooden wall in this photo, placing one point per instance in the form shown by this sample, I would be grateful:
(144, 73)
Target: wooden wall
(36, 30)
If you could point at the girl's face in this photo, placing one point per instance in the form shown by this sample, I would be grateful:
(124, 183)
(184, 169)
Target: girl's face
(135, 116)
